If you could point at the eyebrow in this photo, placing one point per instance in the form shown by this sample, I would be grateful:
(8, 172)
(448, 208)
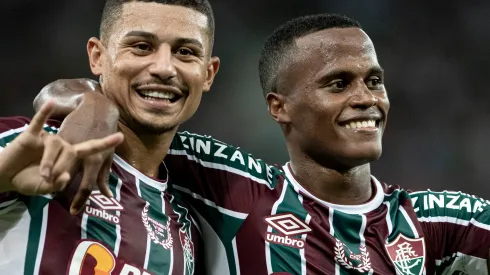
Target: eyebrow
(340, 73)
(151, 36)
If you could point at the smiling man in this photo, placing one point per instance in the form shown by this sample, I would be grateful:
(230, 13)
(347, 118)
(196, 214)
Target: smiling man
(322, 212)
(147, 49)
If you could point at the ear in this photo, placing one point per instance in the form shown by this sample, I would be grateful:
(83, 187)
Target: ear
(95, 48)
(277, 108)
(213, 67)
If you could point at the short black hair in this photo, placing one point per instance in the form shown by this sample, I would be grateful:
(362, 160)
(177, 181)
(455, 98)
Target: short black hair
(282, 39)
(113, 8)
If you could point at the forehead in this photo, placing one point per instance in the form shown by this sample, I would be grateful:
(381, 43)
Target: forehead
(336, 49)
(165, 21)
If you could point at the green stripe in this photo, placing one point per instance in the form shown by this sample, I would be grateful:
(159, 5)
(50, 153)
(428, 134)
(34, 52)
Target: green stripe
(207, 149)
(285, 258)
(451, 204)
(398, 220)
(346, 229)
(35, 206)
(159, 258)
(184, 220)
(225, 227)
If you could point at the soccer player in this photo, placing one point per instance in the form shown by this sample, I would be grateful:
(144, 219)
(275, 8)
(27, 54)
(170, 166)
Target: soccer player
(322, 212)
(155, 62)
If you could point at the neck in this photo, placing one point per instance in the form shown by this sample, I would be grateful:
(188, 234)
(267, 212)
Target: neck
(144, 151)
(351, 187)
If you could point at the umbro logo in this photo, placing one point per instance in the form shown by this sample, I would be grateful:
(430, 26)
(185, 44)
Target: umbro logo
(103, 204)
(289, 226)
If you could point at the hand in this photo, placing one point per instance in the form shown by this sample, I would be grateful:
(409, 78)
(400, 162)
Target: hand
(95, 117)
(19, 169)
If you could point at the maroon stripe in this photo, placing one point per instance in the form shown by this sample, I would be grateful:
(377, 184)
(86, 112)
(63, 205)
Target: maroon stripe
(251, 238)
(319, 243)
(133, 233)
(62, 236)
(178, 260)
(224, 188)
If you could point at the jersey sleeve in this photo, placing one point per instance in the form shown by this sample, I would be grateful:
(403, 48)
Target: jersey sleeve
(457, 230)
(10, 128)
(217, 174)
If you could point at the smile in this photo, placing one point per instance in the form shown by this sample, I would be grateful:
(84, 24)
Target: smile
(362, 125)
(158, 95)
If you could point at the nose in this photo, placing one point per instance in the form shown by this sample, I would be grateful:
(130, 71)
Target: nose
(362, 97)
(162, 65)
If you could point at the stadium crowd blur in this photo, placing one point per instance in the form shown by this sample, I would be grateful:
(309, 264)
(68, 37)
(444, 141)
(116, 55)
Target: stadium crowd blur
(436, 56)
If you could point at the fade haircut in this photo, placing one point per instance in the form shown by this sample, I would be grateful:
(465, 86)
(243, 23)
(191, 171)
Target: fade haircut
(280, 43)
(113, 9)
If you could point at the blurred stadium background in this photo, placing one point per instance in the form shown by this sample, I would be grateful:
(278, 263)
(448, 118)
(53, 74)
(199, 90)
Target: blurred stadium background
(436, 56)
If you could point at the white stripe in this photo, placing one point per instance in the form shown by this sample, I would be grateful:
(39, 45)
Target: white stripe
(219, 166)
(8, 208)
(445, 219)
(83, 229)
(14, 131)
(269, 228)
(302, 251)
(148, 240)
(389, 223)
(332, 233)
(7, 203)
(223, 210)
(171, 268)
(362, 238)
(235, 255)
(42, 239)
(409, 221)
(117, 244)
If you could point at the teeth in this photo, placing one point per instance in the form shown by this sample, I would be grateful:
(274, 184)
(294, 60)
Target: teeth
(158, 94)
(361, 124)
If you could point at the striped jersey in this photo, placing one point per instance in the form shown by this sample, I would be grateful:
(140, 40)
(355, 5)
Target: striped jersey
(142, 230)
(258, 219)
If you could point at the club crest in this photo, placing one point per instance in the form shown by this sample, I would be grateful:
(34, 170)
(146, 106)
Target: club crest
(407, 254)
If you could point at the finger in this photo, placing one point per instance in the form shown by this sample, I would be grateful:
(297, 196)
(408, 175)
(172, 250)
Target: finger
(89, 179)
(98, 145)
(40, 118)
(103, 178)
(61, 182)
(65, 163)
(52, 149)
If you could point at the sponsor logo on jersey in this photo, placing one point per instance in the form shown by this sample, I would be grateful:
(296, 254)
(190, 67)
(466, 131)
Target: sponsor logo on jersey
(351, 261)
(407, 254)
(157, 232)
(289, 226)
(90, 257)
(103, 207)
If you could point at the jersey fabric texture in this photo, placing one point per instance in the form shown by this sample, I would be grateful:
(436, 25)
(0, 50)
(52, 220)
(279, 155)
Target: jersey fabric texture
(142, 230)
(258, 219)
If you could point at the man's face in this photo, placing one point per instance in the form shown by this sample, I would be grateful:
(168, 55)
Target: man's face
(335, 98)
(155, 64)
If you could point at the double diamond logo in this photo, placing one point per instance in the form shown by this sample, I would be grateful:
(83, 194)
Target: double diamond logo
(104, 202)
(289, 226)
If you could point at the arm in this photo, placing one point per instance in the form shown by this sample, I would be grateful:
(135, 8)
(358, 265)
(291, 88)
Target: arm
(87, 114)
(457, 230)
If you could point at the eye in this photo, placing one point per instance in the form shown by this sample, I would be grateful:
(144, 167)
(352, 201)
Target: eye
(374, 82)
(143, 47)
(185, 51)
(337, 85)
